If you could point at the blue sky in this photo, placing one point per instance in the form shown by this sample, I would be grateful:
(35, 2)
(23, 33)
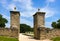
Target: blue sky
(28, 8)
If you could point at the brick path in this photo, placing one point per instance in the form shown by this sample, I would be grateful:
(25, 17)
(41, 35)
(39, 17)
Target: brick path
(28, 38)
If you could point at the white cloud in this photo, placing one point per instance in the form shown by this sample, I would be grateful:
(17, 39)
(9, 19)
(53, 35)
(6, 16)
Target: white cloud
(6, 5)
(24, 21)
(50, 0)
(17, 0)
(11, 6)
(28, 13)
(3, 2)
(24, 4)
(49, 11)
(28, 9)
(8, 18)
(48, 24)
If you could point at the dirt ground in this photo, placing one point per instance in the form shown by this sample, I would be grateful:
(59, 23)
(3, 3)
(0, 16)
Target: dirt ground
(28, 38)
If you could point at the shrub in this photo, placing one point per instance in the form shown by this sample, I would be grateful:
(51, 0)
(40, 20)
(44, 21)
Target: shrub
(56, 39)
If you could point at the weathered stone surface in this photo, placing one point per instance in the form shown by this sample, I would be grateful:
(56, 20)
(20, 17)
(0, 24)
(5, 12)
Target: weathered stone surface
(15, 22)
(15, 19)
(39, 18)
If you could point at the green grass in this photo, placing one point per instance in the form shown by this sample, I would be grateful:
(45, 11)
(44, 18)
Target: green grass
(4, 38)
(56, 39)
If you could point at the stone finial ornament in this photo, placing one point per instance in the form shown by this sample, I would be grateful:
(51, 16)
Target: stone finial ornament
(14, 8)
(38, 9)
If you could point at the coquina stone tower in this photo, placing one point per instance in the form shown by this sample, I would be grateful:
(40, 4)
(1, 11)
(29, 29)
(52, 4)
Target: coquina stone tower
(39, 20)
(15, 20)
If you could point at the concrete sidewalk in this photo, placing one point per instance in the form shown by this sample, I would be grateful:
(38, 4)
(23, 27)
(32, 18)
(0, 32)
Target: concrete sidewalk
(28, 38)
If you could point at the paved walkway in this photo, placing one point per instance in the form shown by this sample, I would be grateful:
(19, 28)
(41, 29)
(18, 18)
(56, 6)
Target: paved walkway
(28, 38)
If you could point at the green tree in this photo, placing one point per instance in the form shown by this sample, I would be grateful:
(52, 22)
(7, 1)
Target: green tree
(3, 21)
(56, 24)
(25, 28)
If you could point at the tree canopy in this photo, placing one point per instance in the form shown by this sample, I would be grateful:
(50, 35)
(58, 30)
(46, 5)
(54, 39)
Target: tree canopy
(3, 21)
(25, 28)
(56, 24)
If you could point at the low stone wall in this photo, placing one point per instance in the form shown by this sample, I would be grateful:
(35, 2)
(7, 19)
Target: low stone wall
(9, 32)
(47, 33)
(53, 33)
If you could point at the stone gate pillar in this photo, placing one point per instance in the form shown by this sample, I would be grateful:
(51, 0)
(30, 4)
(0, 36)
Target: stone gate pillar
(15, 21)
(39, 20)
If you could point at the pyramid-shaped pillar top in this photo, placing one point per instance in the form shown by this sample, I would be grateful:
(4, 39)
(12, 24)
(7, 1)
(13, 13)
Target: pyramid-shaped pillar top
(37, 13)
(15, 11)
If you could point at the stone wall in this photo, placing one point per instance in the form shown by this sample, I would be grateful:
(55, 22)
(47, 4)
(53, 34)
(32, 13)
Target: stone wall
(46, 33)
(9, 32)
(53, 33)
